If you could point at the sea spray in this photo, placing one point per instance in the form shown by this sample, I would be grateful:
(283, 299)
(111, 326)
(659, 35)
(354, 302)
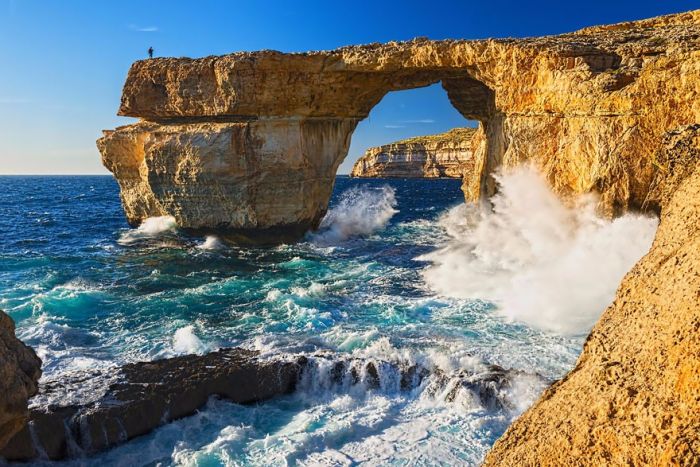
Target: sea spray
(360, 212)
(543, 263)
(149, 228)
(185, 341)
(211, 242)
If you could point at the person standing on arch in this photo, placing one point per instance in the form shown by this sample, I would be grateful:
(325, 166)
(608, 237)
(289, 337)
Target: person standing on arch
(150, 52)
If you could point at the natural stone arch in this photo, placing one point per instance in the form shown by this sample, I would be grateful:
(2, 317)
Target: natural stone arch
(248, 143)
(202, 155)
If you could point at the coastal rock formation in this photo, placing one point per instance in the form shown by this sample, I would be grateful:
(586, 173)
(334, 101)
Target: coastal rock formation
(444, 155)
(249, 143)
(147, 395)
(634, 396)
(609, 109)
(20, 370)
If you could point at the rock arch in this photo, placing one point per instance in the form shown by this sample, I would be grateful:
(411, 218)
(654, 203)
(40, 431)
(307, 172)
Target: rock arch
(248, 143)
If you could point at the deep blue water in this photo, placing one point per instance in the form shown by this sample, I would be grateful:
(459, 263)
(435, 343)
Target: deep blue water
(87, 291)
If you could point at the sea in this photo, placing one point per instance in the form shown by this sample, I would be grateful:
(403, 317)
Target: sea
(400, 272)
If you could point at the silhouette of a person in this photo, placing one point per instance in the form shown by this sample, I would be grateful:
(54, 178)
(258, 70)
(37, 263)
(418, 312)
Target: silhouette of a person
(150, 52)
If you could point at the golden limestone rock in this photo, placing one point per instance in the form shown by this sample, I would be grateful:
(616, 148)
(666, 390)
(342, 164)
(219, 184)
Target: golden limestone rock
(20, 369)
(634, 396)
(249, 142)
(447, 154)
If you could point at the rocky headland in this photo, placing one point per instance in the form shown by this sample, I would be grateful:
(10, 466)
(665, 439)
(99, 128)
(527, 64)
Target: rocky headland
(248, 144)
(446, 154)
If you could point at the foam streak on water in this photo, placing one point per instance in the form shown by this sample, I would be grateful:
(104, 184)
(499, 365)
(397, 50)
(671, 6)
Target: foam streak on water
(89, 293)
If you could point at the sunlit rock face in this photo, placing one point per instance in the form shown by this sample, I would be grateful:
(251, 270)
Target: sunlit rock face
(249, 142)
(634, 396)
(254, 181)
(447, 154)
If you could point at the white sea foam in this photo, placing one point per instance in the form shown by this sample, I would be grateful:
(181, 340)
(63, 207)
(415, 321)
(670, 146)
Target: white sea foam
(211, 242)
(185, 341)
(360, 212)
(149, 228)
(543, 263)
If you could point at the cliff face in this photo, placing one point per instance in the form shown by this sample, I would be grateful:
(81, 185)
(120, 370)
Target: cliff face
(607, 109)
(445, 155)
(20, 370)
(634, 396)
(588, 108)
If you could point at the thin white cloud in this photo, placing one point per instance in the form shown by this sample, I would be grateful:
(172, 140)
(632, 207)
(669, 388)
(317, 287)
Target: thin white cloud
(394, 126)
(134, 27)
(422, 120)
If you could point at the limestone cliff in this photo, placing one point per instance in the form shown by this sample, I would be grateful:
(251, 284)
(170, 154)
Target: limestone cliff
(608, 109)
(20, 370)
(634, 396)
(444, 155)
(589, 108)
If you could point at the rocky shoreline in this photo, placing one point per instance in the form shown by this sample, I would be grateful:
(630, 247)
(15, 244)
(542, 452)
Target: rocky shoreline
(140, 397)
(445, 155)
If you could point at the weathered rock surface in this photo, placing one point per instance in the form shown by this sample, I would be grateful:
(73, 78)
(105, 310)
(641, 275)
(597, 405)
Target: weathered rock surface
(20, 370)
(606, 109)
(634, 396)
(447, 154)
(237, 131)
(146, 396)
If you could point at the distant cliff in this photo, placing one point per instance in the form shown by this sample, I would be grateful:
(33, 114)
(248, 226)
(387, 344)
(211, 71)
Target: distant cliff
(443, 155)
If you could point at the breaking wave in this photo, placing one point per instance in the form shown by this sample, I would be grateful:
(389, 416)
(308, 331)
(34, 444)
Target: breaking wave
(552, 266)
(149, 228)
(360, 212)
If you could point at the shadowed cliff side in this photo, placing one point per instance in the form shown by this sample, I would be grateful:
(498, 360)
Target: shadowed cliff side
(634, 396)
(448, 154)
(20, 370)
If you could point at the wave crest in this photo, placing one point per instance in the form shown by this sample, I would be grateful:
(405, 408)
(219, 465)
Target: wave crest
(360, 212)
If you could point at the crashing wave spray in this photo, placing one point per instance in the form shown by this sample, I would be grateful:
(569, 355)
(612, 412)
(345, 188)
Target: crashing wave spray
(360, 212)
(543, 263)
(149, 228)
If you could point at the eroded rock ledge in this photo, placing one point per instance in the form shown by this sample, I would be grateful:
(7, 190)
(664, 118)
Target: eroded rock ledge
(143, 396)
(249, 143)
(448, 154)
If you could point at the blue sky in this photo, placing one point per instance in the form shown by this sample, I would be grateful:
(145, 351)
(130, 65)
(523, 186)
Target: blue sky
(63, 63)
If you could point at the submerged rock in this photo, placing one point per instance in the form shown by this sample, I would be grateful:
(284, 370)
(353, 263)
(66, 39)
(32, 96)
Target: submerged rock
(148, 395)
(20, 370)
(448, 154)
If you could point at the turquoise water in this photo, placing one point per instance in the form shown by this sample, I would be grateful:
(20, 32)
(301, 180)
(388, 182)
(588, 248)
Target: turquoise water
(87, 292)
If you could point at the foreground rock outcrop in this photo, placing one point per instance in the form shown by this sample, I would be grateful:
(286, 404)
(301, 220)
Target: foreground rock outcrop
(249, 143)
(634, 396)
(447, 154)
(20, 370)
(145, 396)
